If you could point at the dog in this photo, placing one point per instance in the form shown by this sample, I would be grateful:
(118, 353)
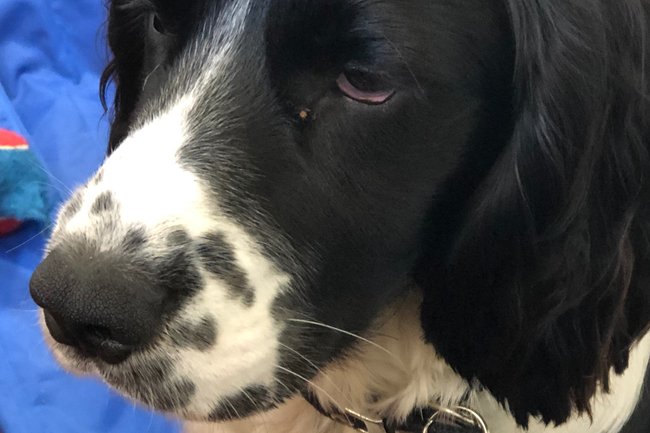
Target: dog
(320, 215)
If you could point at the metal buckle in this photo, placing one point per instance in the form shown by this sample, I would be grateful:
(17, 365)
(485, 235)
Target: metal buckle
(355, 420)
(457, 415)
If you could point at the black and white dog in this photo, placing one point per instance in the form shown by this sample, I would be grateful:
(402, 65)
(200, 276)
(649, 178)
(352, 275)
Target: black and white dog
(377, 205)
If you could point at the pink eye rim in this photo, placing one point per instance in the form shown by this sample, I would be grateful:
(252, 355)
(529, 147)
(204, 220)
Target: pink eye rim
(375, 97)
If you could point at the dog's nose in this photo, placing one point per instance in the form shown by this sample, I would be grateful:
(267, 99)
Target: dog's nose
(102, 305)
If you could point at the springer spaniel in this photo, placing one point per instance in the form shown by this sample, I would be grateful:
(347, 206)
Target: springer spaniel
(314, 207)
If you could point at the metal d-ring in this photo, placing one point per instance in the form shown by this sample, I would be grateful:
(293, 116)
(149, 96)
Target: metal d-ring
(460, 414)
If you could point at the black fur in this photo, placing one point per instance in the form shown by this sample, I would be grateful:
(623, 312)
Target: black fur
(217, 257)
(201, 335)
(542, 288)
(171, 393)
(508, 176)
(103, 203)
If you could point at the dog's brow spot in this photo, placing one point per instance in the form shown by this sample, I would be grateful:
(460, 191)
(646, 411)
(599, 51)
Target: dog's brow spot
(178, 273)
(134, 239)
(178, 237)
(200, 336)
(218, 259)
(103, 203)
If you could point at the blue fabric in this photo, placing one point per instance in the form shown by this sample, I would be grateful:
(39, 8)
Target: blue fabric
(51, 55)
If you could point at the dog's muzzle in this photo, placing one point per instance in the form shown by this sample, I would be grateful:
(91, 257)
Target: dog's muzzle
(97, 303)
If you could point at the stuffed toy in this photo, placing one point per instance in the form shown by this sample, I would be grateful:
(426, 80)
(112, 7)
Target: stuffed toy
(23, 184)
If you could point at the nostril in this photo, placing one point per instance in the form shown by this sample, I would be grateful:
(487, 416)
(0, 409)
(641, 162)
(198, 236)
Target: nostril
(113, 352)
(99, 341)
(96, 309)
(96, 333)
(57, 331)
(91, 340)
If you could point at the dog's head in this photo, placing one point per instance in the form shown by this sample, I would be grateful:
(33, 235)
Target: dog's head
(279, 172)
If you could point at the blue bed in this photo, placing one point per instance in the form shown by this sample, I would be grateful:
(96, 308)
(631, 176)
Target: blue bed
(51, 55)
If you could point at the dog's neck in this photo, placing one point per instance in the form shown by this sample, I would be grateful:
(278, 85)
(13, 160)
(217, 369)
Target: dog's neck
(395, 371)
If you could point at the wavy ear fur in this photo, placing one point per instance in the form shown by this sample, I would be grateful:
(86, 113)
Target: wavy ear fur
(126, 36)
(544, 284)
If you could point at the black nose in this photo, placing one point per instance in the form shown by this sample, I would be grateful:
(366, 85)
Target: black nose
(103, 305)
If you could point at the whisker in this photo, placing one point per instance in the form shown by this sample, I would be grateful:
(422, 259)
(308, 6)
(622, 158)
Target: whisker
(262, 413)
(146, 79)
(318, 370)
(342, 331)
(289, 390)
(233, 408)
(293, 373)
(30, 239)
(49, 184)
(248, 396)
(150, 423)
(50, 175)
(23, 310)
(406, 64)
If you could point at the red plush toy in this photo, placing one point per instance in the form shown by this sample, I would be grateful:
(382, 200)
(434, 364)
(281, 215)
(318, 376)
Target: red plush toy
(8, 225)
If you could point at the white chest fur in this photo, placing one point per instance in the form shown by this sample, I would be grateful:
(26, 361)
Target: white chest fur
(396, 365)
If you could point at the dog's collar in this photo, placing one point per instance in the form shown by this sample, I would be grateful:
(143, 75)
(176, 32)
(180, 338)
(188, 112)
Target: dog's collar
(429, 419)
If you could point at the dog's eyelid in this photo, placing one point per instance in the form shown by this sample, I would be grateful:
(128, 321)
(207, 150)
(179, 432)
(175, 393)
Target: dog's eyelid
(370, 97)
(381, 70)
(157, 24)
(365, 85)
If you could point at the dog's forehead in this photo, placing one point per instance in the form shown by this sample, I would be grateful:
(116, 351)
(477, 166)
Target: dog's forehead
(162, 175)
(146, 171)
(144, 177)
(205, 56)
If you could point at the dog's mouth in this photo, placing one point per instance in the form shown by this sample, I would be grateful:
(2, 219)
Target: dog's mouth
(159, 377)
(149, 379)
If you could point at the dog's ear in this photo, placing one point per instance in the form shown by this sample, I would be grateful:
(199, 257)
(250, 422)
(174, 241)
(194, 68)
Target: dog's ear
(128, 28)
(545, 282)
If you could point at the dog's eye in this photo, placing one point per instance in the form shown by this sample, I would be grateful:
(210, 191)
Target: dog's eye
(363, 86)
(157, 24)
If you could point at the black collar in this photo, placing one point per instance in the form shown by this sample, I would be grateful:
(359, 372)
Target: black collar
(429, 419)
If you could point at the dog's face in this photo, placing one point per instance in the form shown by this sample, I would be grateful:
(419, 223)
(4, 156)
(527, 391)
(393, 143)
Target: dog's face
(278, 173)
(273, 174)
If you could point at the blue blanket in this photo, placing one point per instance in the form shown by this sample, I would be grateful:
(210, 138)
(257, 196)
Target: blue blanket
(51, 55)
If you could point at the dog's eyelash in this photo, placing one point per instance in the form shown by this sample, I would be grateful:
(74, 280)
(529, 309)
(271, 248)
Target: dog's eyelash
(364, 87)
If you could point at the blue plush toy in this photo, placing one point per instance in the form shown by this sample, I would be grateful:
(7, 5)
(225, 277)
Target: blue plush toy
(23, 184)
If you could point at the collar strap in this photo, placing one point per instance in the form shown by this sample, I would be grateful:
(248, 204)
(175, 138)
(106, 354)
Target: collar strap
(429, 419)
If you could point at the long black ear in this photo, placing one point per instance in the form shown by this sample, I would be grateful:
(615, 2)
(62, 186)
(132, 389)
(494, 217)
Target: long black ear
(127, 25)
(545, 282)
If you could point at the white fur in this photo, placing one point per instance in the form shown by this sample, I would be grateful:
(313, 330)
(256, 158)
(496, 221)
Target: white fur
(158, 195)
(405, 373)
(246, 352)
